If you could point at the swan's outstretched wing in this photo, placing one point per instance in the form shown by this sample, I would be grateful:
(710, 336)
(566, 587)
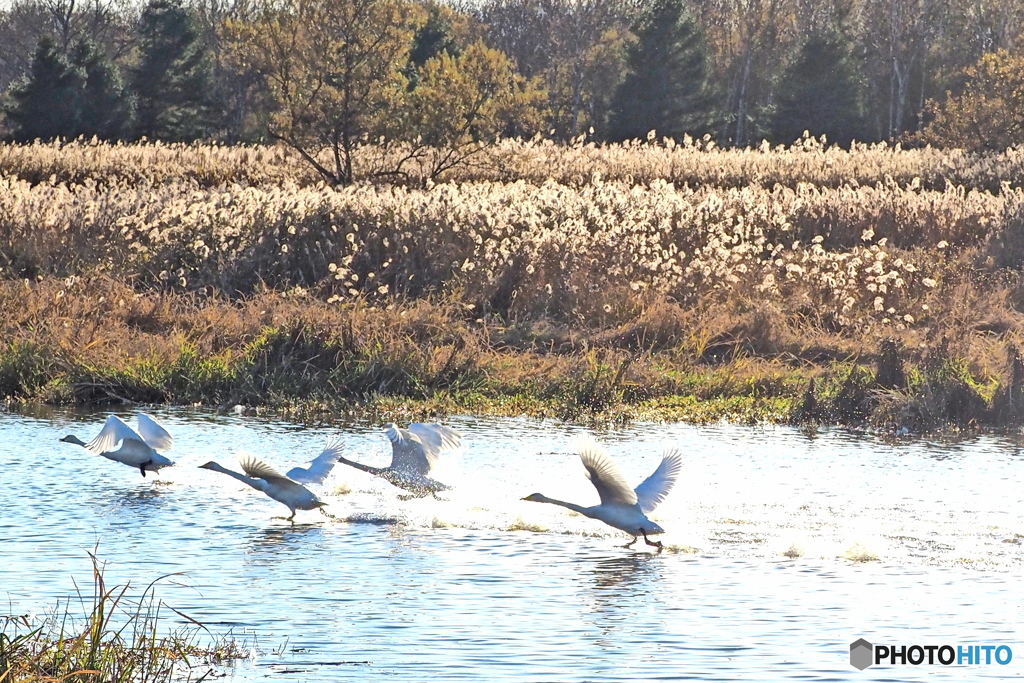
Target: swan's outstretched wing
(132, 452)
(655, 488)
(321, 465)
(257, 469)
(407, 452)
(436, 439)
(604, 474)
(114, 431)
(154, 434)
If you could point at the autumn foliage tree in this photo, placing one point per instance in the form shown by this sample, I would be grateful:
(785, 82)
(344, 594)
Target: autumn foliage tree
(989, 114)
(464, 102)
(334, 71)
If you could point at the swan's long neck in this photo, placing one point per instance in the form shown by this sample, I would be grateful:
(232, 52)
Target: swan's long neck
(572, 506)
(360, 466)
(257, 484)
(71, 438)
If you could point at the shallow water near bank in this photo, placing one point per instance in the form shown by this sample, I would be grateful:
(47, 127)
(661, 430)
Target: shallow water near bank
(782, 547)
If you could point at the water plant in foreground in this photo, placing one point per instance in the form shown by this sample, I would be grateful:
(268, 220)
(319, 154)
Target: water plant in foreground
(117, 639)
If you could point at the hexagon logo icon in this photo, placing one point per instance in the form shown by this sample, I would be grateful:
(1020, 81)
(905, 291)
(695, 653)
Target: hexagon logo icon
(861, 654)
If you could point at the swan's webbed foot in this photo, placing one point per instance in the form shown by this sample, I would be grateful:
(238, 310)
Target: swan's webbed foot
(655, 544)
(630, 544)
(142, 467)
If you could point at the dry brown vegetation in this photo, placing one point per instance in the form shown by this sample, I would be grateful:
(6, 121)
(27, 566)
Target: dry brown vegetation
(692, 162)
(623, 280)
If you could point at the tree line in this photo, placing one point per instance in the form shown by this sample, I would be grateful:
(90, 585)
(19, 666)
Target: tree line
(325, 76)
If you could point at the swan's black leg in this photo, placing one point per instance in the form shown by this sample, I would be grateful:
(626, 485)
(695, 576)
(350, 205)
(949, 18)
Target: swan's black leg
(630, 544)
(142, 467)
(656, 544)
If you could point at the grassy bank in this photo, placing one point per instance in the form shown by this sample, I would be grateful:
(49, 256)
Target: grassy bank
(100, 342)
(116, 639)
(860, 287)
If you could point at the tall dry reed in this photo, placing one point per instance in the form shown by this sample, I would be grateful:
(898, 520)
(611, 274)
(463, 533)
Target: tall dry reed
(694, 163)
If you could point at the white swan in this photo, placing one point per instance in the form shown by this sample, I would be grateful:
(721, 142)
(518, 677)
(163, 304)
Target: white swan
(265, 478)
(138, 449)
(320, 466)
(622, 507)
(414, 452)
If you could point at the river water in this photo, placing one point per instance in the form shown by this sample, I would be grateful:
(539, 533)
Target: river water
(782, 547)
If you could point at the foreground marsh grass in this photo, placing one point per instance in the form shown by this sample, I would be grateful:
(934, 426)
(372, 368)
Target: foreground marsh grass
(118, 638)
(629, 281)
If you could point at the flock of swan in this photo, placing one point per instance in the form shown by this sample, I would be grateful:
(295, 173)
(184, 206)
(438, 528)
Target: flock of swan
(415, 452)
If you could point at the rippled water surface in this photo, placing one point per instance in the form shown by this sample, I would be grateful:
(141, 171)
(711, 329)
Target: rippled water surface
(781, 549)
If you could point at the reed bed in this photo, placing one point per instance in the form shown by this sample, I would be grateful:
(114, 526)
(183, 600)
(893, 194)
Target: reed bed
(859, 258)
(117, 639)
(269, 288)
(691, 162)
(207, 165)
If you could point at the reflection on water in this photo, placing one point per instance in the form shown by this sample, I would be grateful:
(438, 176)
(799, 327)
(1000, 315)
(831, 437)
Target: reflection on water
(418, 589)
(273, 544)
(138, 501)
(615, 573)
(622, 591)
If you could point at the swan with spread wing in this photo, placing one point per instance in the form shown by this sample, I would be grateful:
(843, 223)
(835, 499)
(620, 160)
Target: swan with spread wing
(265, 478)
(138, 449)
(622, 507)
(414, 452)
(320, 467)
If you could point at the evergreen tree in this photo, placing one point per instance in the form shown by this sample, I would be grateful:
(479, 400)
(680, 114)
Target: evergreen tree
(665, 88)
(105, 106)
(46, 106)
(172, 82)
(819, 93)
(432, 38)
